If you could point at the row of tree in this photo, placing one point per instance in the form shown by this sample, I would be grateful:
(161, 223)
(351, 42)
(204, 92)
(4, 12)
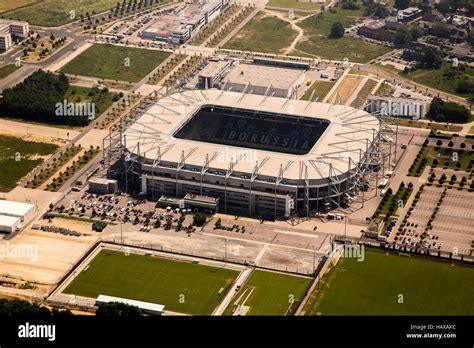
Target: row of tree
(21, 309)
(36, 99)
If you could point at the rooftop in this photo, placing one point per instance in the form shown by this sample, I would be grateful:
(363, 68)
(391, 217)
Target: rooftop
(15, 208)
(8, 220)
(146, 306)
(261, 75)
(213, 68)
(347, 136)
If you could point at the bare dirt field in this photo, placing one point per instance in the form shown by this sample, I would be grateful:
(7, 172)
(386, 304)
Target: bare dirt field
(45, 257)
(345, 89)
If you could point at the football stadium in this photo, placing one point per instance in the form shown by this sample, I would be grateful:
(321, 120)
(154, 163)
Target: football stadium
(251, 155)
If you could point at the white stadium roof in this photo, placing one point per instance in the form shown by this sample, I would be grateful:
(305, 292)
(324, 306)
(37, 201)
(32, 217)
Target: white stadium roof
(350, 133)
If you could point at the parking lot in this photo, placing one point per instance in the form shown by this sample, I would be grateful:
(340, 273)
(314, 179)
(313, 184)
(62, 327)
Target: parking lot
(450, 229)
(130, 30)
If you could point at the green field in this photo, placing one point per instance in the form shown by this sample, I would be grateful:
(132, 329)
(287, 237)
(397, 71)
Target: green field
(444, 79)
(7, 70)
(19, 157)
(53, 13)
(444, 157)
(263, 34)
(374, 286)
(317, 29)
(151, 279)
(116, 63)
(322, 88)
(103, 100)
(294, 4)
(269, 293)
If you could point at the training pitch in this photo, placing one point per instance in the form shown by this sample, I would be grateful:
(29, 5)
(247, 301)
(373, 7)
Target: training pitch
(388, 284)
(269, 293)
(181, 286)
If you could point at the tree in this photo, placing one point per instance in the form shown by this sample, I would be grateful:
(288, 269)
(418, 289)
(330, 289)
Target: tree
(337, 30)
(21, 309)
(199, 220)
(117, 309)
(442, 111)
(402, 36)
(402, 4)
(465, 86)
(432, 59)
(470, 38)
(415, 33)
(43, 90)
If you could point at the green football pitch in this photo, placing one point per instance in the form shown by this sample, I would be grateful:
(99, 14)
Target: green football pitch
(270, 293)
(180, 286)
(389, 284)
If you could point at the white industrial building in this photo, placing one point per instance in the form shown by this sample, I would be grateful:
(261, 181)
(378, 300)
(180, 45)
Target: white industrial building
(12, 214)
(8, 224)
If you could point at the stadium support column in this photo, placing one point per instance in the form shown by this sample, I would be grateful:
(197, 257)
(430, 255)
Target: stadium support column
(277, 182)
(306, 190)
(229, 172)
(179, 166)
(156, 161)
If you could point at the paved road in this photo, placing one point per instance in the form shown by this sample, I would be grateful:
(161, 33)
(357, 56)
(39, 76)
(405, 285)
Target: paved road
(46, 131)
(240, 281)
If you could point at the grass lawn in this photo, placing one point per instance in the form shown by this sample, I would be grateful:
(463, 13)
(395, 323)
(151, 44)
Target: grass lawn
(374, 286)
(444, 156)
(9, 5)
(7, 70)
(429, 125)
(444, 79)
(391, 201)
(51, 13)
(269, 293)
(110, 62)
(294, 4)
(317, 30)
(321, 87)
(30, 156)
(267, 34)
(102, 100)
(156, 280)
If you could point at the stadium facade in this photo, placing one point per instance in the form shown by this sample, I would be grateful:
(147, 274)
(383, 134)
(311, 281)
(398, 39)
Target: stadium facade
(262, 156)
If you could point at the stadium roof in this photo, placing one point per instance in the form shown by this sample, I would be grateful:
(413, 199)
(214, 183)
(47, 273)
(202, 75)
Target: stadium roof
(15, 208)
(148, 307)
(346, 139)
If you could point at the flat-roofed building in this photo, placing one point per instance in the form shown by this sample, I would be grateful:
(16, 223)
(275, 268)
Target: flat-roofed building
(262, 79)
(102, 185)
(213, 73)
(17, 209)
(146, 307)
(8, 224)
(5, 41)
(202, 203)
(10, 30)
